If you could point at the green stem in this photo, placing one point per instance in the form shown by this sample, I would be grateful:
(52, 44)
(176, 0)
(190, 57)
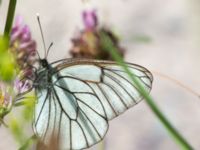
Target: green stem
(28, 142)
(149, 100)
(10, 17)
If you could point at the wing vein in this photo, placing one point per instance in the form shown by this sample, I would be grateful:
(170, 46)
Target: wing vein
(105, 96)
(91, 123)
(117, 82)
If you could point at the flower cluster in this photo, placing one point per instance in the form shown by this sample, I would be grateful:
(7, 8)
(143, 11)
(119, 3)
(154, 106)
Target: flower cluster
(24, 47)
(87, 42)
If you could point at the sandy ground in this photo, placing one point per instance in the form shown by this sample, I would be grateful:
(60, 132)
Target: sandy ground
(173, 50)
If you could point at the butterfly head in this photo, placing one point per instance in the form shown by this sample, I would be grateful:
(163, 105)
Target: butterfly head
(44, 63)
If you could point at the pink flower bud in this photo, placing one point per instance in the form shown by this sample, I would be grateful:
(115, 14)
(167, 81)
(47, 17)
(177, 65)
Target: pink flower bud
(90, 19)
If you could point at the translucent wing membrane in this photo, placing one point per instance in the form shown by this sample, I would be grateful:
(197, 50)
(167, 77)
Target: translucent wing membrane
(75, 120)
(83, 96)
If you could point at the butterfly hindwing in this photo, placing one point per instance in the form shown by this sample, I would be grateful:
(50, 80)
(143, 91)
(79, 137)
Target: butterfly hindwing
(83, 96)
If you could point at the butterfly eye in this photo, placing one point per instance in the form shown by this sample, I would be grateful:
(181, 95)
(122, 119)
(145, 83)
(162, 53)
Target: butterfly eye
(44, 63)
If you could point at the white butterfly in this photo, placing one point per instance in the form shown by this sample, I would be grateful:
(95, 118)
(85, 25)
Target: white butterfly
(77, 98)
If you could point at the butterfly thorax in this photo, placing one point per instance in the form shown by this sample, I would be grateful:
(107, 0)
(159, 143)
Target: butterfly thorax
(44, 75)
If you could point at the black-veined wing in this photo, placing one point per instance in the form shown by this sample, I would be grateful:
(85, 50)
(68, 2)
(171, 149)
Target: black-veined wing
(85, 94)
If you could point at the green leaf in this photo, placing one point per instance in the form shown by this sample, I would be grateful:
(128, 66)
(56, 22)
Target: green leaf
(20, 125)
(3, 111)
(7, 67)
(17, 130)
(7, 63)
(28, 110)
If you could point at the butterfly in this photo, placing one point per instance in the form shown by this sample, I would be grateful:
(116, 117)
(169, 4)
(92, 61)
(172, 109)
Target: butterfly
(77, 97)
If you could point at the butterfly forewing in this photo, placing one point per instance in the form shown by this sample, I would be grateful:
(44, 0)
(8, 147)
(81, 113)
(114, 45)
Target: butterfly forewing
(82, 97)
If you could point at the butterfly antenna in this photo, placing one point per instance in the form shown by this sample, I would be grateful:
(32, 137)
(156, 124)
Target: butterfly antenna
(38, 18)
(38, 54)
(49, 49)
(180, 84)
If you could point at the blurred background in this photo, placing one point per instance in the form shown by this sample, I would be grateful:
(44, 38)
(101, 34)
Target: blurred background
(163, 36)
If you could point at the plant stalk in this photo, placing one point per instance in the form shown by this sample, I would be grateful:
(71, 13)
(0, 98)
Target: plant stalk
(10, 17)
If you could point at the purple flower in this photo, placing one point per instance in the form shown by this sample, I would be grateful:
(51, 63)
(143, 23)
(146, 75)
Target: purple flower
(24, 47)
(90, 19)
(21, 86)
